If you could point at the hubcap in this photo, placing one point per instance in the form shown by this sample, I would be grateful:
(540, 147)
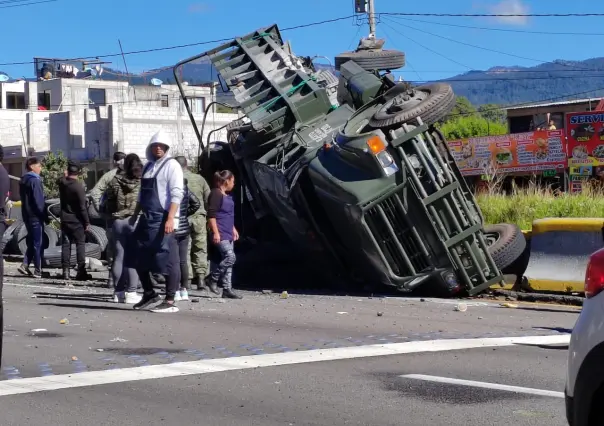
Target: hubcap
(404, 101)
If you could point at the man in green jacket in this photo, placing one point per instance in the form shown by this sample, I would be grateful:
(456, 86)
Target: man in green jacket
(96, 195)
(198, 249)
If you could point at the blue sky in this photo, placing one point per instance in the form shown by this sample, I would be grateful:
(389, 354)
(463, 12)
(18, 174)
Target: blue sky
(70, 28)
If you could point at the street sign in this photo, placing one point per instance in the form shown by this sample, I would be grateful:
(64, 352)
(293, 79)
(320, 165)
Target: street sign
(549, 173)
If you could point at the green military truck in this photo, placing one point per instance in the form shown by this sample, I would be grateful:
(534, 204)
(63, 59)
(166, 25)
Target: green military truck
(352, 169)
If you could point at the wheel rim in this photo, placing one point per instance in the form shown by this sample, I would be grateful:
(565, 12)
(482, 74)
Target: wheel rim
(491, 238)
(400, 103)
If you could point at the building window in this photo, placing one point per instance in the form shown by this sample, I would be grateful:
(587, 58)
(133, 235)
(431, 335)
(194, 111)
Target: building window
(96, 97)
(15, 100)
(165, 101)
(44, 100)
(198, 105)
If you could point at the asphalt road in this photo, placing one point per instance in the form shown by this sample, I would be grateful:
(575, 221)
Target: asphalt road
(263, 360)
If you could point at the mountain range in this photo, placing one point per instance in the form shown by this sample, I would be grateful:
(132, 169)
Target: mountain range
(552, 81)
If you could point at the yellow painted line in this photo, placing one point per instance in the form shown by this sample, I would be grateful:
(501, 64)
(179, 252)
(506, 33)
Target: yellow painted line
(558, 286)
(541, 226)
(527, 233)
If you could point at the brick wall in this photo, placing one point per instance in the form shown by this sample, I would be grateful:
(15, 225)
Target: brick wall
(19, 126)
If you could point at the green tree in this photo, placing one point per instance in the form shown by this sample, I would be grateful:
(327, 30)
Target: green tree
(493, 112)
(224, 109)
(53, 169)
(471, 127)
(463, 108)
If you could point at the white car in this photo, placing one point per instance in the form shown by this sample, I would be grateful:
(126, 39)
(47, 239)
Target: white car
(584, 392)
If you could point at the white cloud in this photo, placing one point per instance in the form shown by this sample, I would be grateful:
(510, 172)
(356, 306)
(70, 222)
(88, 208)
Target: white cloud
(510, 7)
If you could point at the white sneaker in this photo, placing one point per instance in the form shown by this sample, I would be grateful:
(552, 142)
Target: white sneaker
(184, 294)
(132, 298)
(118, 297)
(165, 307)
(177, 297)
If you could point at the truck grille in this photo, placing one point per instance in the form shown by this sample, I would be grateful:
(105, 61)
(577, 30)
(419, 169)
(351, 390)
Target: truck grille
(398, 242)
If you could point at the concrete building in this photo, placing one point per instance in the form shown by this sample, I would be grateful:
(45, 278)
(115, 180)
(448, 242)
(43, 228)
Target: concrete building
(88, 120)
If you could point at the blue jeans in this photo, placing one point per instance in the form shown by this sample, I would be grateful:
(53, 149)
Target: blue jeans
(222, 272)
(34, 240)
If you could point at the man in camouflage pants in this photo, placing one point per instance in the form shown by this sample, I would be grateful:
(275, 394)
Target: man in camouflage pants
(96, 196)
(198, 243)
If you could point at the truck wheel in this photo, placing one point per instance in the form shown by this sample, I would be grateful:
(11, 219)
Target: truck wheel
(505, 242)
(432, 103)
(370, 60)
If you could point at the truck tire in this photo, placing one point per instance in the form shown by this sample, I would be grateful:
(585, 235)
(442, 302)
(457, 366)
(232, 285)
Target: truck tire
(52, 256)
(370, 60)
(431, 102)
(13, 243)
(506, 244)
(97, 235)
(49, 239)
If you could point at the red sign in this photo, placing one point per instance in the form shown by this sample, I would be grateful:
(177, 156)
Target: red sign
(585, 133)
(523, 152)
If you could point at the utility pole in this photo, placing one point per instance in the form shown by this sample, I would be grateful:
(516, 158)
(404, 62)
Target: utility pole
(371, 12)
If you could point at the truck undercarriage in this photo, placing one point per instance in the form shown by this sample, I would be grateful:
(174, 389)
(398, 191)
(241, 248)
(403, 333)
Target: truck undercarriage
(352, 170)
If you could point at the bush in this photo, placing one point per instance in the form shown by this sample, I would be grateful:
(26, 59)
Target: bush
(53, 168)
(525, 205)
(471, 127)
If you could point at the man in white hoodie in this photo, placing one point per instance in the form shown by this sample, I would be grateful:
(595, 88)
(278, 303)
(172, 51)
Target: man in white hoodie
(162, 190)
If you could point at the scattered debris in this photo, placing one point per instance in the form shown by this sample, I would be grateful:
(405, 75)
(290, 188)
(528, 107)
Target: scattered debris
(341, 313)
(74, 358)
(38, 330)
(64, 321)
(509, 305)
(284, 295)
(267, 291)
(100, 350)
(379, 314)
(461, 307)
(118, 339)
(34, 296)
(194, 300)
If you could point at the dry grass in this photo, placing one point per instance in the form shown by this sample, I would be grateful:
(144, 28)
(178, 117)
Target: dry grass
(526, 205)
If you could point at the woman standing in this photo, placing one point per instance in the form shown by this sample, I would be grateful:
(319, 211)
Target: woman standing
(221, 221)
(122, 195)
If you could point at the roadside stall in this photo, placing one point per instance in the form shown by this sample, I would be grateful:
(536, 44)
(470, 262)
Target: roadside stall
(512, 159)
(585, 139)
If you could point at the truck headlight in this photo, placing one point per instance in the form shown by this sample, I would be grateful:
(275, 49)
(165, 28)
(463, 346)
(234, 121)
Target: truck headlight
(378, 148)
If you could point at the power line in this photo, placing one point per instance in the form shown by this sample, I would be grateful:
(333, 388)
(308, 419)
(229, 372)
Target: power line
(21, 4)
(427, 48)
(507, 30)
(486, 48)
(498, 15)
(181, 46)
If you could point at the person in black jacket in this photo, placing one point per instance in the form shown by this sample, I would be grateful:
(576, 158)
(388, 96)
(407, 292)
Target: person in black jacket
(33, 212)
(189, 206)
(4, 189)
(74, 221)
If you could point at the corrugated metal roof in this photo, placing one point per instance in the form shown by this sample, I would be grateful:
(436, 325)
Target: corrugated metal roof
(540, 105)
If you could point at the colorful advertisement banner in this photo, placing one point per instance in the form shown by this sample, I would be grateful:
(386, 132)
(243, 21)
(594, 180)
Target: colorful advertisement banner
(585, 132)
(518, 153)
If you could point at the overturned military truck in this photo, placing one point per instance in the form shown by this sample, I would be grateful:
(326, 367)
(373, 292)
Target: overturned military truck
(352, 169)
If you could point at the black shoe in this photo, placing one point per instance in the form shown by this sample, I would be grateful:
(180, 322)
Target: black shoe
(148, 299)
(66, 274)
(228, 293)
(213, 287)
(82, 275)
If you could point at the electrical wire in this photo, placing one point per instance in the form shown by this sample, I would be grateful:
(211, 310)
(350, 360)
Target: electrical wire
(507, 30)
(497, 15)
(429, 49)
(180, 46)
(486, 48)
(21, 3)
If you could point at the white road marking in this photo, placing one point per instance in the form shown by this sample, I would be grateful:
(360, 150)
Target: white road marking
(191, 368)
(484, 385)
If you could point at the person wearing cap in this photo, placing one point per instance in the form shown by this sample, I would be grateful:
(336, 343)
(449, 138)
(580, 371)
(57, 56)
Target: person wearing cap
(161, 192)
(74, 221)
(97, 195)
